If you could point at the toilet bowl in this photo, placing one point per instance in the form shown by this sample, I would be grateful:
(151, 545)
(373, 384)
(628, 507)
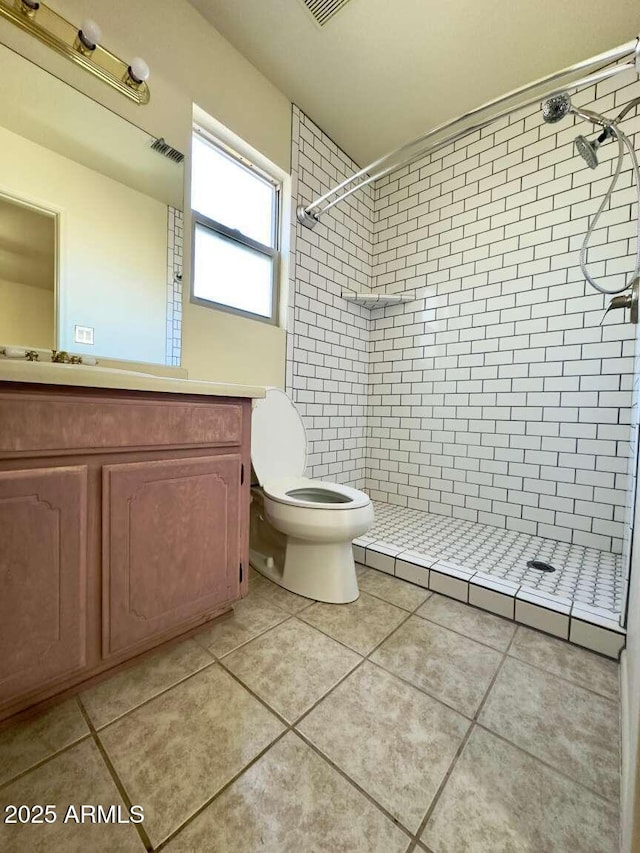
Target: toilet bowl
(301, 529)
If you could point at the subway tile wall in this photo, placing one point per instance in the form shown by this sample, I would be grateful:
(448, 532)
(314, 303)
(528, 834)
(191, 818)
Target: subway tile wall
(498, 393)
(328, 338)
(175, 225)
(495, 393)
(632, 471)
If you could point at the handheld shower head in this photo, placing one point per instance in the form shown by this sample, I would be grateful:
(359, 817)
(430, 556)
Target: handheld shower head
(556, 107)
(587, 150)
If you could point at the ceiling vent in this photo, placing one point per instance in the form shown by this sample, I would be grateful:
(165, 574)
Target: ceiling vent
(324, 10)
(166, 150)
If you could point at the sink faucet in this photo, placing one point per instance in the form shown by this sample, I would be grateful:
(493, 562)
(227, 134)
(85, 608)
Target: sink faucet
(62, 357)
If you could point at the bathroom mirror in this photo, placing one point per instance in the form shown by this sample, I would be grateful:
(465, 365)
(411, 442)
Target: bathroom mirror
(90, 224)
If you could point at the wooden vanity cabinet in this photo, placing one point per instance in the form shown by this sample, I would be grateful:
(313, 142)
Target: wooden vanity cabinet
(124, 522)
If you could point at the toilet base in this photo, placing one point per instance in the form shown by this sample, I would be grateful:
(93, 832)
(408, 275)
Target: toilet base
(322, 571)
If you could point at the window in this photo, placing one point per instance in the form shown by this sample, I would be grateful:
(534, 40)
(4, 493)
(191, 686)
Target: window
(236, 226)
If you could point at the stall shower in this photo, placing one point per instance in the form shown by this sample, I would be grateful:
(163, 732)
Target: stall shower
(484, 400)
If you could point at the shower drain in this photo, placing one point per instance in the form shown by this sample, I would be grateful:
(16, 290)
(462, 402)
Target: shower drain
(540, 566)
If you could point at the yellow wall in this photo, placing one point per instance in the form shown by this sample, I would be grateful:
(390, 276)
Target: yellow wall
(26, 316)
(190, 63)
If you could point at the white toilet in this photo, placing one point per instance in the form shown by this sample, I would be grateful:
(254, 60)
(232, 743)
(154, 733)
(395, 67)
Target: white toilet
(301, 529)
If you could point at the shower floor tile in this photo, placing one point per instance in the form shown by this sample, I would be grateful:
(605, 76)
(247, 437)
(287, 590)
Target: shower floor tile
(584, 575)
(488, 567)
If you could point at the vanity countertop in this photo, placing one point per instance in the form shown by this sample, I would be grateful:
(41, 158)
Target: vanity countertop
(48, 373)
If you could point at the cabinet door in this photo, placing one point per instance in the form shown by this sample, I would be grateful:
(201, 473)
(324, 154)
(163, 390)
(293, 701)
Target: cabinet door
(171, 545)
(42, 577)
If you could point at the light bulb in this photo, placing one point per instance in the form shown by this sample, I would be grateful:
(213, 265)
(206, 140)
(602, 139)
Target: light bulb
(139, 70)
(90, 34)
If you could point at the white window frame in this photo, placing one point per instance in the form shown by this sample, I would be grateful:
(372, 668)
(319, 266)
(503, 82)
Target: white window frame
(237, 149)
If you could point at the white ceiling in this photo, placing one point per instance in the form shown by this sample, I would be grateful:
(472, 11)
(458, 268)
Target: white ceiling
(381, 72)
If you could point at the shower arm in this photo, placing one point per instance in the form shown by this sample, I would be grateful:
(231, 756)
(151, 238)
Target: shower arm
(310, 214)
(594, 118)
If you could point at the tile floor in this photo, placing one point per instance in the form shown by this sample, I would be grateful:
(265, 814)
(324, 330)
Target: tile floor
(406, 721)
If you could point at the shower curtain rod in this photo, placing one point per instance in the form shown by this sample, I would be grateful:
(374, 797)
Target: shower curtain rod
(310, 215)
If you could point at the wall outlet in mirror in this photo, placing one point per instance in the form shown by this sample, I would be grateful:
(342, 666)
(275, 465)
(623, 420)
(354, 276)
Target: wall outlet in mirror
(83, 335)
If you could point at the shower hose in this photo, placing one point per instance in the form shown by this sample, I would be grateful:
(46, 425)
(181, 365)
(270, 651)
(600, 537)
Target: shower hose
(623, 142)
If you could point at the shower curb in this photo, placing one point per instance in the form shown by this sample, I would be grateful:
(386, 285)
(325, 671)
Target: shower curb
(589, 627)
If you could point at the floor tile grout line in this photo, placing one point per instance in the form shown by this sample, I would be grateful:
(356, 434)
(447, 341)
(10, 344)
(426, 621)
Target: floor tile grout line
(287, 618)
(613, 801)
(214, 660)
(405, 613)
(217, 657)
(256, 696)
(448, 774)
(119, 784)
(443, 783)
(426, 692)
(220, 791)
(607, 697)
(419, 689)
(289, 727)
(309, 603)
(393, 603)
(415, 836)
(165, 690)
(157, 695)
(483, 726)
(505, 656)
(460, 633)
(396, 821)
(44, 761)
(364, 659)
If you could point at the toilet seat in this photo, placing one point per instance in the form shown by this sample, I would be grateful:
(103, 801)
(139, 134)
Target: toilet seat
(279, 457)
(315, 494)
(278, 438)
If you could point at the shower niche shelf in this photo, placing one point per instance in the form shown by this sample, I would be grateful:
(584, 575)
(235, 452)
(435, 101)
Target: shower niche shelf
(376, 300)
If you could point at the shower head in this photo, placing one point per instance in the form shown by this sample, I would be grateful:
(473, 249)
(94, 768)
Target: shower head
(556, 107)
(587, 150)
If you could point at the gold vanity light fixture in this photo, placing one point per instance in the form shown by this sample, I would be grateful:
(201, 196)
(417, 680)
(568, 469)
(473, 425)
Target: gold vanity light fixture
(81, 46)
